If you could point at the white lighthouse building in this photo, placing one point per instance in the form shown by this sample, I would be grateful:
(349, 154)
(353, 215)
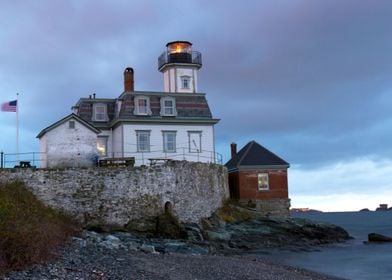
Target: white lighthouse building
(174, 124)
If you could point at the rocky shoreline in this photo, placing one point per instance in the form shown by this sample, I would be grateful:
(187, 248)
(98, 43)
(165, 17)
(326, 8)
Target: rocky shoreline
(121, 256)
(232, 244)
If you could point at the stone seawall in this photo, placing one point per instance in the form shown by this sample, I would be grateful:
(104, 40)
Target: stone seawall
(118, 195)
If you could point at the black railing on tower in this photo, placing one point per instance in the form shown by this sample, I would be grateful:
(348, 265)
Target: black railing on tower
(193, 57)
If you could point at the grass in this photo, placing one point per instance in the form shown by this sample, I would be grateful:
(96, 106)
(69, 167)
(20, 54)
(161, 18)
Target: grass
(29, 231)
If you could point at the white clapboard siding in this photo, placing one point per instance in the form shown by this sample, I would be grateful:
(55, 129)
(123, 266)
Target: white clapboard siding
(183, 152)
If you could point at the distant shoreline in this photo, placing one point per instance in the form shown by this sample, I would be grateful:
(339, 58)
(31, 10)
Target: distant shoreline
(308, 210)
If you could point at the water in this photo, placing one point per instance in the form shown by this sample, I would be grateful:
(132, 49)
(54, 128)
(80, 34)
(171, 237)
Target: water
(353, 259)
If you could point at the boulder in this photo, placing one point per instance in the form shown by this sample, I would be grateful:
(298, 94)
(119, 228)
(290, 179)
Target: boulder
(168, 226)
(375, 237)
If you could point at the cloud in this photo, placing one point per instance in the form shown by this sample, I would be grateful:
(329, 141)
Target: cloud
(342, 186)
(309, 80)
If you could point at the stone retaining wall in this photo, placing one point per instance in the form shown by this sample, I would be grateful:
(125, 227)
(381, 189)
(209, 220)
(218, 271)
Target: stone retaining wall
(116, 196)
(272, 208)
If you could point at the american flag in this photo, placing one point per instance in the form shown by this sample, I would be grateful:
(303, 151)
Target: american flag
(9, 106)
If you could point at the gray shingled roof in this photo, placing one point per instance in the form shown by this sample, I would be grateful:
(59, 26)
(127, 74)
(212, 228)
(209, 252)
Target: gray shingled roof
(189, 106)
(255, 155)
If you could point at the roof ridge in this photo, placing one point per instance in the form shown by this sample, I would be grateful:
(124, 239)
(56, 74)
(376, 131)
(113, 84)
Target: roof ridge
(272, 153)
(245, 152)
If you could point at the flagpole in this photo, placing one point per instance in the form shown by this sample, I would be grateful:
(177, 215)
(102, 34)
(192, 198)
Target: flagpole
(17, 129)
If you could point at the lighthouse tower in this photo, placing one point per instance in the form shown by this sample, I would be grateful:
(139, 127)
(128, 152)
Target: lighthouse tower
(179, 65)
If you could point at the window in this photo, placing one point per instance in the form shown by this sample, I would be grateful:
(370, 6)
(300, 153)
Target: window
(194, 141)
(169, 141)
(168, 106)
(263, 181)
(142, 105)
(102, 146)
(71, 124)
(185, 82)
(100, 113)
(143, 140)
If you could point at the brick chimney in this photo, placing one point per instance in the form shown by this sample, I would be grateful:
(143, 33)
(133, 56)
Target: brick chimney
(128, 79)
(233, 148)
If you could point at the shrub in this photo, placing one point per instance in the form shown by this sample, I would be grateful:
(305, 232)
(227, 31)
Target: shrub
(29, 231)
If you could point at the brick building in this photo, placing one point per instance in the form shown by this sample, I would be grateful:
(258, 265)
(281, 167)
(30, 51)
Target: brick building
(259, 176)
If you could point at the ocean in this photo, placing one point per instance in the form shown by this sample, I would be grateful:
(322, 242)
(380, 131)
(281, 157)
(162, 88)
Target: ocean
(353, 259)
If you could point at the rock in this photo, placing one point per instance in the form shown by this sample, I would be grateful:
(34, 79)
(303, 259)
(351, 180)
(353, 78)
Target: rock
(364, 210)
(147, 248)
(193, 232)
(92, 237)
(375, 237)
(184, 248)
(168, 226)
(112, 238)
(256, 234)
(218, 236)
(141, 225)
(111, 242)
(82, 242)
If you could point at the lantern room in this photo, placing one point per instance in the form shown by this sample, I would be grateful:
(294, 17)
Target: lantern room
(179, 52)
(179, 65)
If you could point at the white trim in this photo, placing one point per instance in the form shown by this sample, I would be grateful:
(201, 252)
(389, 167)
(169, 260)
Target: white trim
(146, 133)
(136, 110)
(104, 113)
(192, 145)
(188, 80)
(261, 184)
(169, 132)
(163, 107)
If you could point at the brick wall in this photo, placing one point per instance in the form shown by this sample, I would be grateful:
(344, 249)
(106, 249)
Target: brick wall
(272, 202)
(248, 182)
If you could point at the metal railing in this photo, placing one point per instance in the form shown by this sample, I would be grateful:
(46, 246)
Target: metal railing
(10, 160)
(142, 158)
(193, 57)
(37, 159)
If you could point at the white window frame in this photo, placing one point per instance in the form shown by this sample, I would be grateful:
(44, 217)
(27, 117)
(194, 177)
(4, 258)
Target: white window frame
(186, 82)
(105, 146)
(137, 110)
(191, 144)
(103, 116)
(165, 135)
(139, 146)
(166, 110)
(263, 181)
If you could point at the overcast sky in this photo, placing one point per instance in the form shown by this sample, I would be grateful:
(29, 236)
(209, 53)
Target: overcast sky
(310, 80)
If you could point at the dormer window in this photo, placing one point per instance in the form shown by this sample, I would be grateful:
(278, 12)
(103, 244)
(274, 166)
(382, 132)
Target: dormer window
(168, 106)
(142, 105)
(100, 112)
(185, 82)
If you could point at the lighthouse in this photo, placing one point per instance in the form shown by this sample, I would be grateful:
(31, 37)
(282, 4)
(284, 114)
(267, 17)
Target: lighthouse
(179, 65)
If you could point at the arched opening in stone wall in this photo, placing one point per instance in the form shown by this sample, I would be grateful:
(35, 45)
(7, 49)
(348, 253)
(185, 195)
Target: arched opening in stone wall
(168, 207)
